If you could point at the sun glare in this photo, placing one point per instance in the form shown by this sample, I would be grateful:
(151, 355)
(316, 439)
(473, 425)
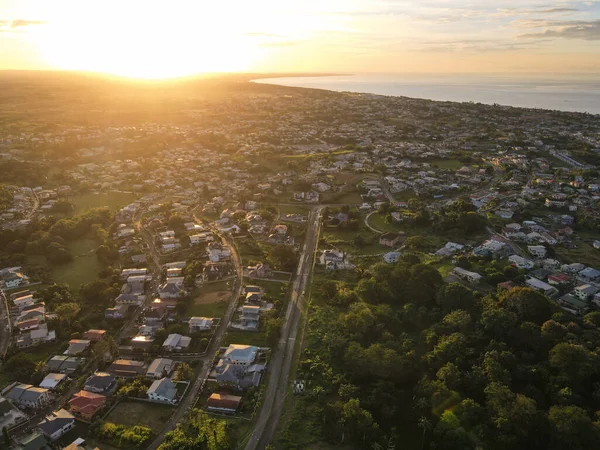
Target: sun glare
(145, 41)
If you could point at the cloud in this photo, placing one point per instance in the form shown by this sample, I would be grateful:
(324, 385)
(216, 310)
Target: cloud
(264, 35)
(578, 29)
(20, 23)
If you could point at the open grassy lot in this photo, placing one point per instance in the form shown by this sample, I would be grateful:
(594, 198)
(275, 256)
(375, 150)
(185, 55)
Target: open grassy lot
(452, 164)
(112, 200)
(245, 338)
(83, 269)
(294, 209)
(211, 300)
(378, 222)
(584, 253)
(131, 413)
(251, 250)
(343, 239)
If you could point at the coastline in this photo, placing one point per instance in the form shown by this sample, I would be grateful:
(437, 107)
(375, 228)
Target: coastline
(572, 95)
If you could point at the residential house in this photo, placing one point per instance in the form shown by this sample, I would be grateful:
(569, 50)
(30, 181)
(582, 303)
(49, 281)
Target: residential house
(94, 335)
(160, 367)
(163, 391)
(223, 403)
(391, 257)
(520, 262)
(33, 441)
(100, 383)
(260, 270)
(493, 248)
(56, 424)
(118, 312)
(52, 380)
(585, 291)
(391, 239)
(574, 304)
(449, 249)
(539, 251)
(172, 288)
(127, 368)
(589, 275)
(471, 277)
(541, 286)
(86, 404)
(241, 355)
(176, 342)
(200, 324)
(64, 364)
(28, 396)
(558, 279)
(77, 346)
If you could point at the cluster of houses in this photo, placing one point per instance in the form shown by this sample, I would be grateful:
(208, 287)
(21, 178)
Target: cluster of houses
(239, 368)
(95, 396)
(252, 306)
(29, 319)
(12, 277)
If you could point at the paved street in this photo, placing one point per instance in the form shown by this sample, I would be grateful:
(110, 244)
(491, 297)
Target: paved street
(206, 362)
(281, 362)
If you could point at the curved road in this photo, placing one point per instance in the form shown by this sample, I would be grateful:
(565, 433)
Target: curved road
(281, 363)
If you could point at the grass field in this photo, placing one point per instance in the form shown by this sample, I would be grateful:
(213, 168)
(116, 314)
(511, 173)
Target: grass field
(452, 164)
(83, 269)
(113, 200)
(245, 338)
(343, 239)
(584, 253)
(131, 413)
(378, 222)
(251, 250)
(211, 300)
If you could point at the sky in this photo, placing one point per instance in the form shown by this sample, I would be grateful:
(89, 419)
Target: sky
(158, 39)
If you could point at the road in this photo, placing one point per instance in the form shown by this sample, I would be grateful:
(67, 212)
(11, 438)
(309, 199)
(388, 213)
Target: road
(281, 362)
(5, 325)
(206, 362)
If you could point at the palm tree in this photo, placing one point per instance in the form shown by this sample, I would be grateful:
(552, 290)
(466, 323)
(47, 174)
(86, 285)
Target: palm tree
(425, 424)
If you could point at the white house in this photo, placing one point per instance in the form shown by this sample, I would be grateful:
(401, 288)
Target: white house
(160, 368)
(539, 251)
(200, 324)
(541, 286)
(163, 390)
(471, 277)
(240, 355)
(57, 424)
(176, 342)
(521, 263)
(391, 257)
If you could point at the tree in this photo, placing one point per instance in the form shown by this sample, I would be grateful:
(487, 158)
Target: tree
(527, 304)
(572, 428)
(284, 257)
(184, 372)
(68, 311)
(455, 296)
(426, 426)
(328, 289)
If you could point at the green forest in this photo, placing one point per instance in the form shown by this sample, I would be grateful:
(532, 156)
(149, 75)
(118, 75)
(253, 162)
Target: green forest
(405, 358)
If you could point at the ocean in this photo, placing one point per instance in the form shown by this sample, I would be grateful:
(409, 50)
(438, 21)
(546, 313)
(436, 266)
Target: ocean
(576, 93)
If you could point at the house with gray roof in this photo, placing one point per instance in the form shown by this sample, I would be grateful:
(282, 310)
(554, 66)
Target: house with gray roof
(163, 390)
(100, 382)
(28, 396)
(242, 355)
(58, 423)
(64, 364)
(160, 367)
